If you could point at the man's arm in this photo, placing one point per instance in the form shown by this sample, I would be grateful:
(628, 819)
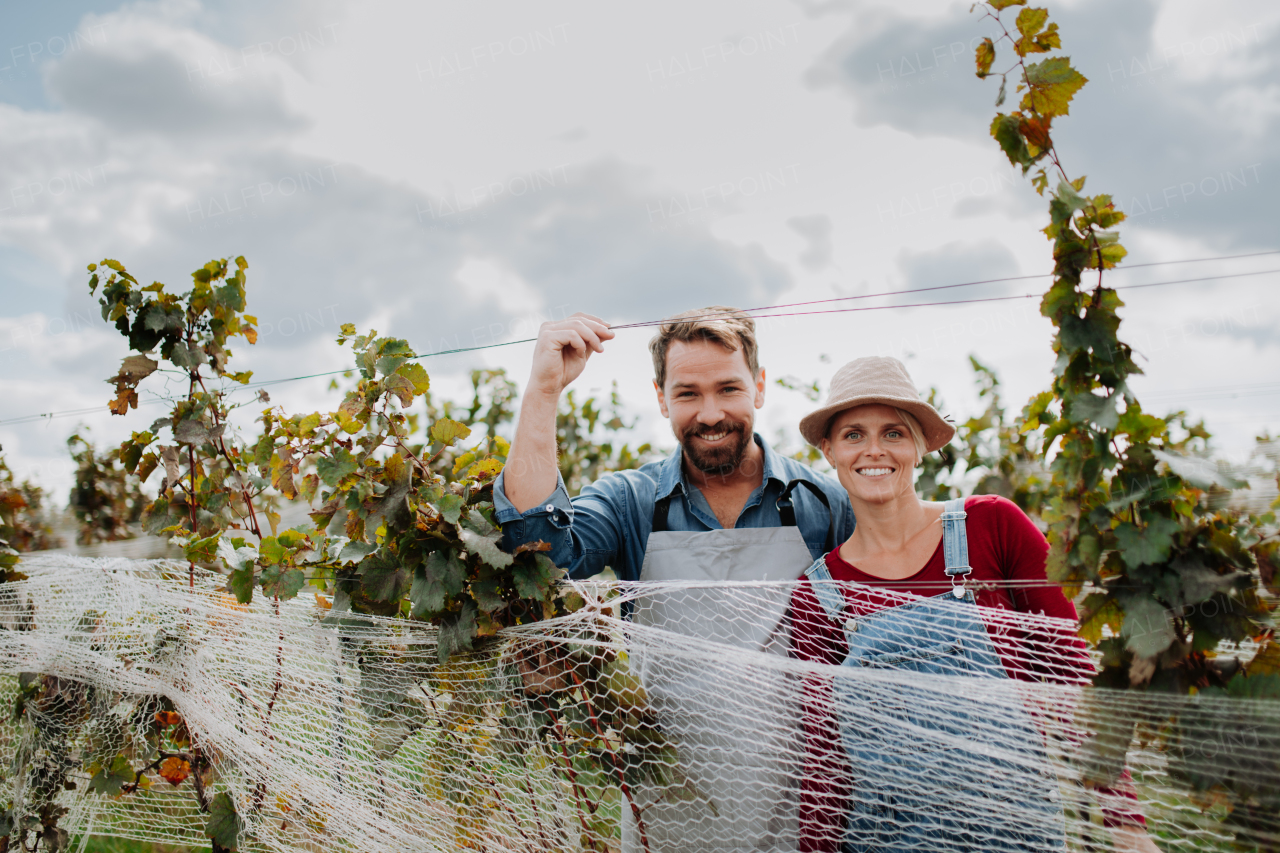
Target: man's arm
(561, 353)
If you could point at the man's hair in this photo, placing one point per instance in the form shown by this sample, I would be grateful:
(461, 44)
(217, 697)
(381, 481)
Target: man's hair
(729, 327)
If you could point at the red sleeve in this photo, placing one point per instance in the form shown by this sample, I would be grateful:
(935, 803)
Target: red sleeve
(1020, 551)
(824, 786)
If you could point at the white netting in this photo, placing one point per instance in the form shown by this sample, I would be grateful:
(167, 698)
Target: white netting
(344, 732)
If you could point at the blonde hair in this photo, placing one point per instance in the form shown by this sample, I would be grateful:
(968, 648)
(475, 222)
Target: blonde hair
(729, 327)
(915, 431)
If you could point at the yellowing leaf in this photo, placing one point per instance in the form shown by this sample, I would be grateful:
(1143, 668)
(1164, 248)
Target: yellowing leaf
(1053, 84)
(400, 387)
(1031, 21)
(446, 431)
(485, 469)
(1005, 4)
(984, 56)
(417, 375)
(175, 770)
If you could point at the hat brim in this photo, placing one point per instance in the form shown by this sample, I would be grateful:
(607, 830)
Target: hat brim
(937, 432)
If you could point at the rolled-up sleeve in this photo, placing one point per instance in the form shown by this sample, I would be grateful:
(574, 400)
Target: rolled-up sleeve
(584, 533)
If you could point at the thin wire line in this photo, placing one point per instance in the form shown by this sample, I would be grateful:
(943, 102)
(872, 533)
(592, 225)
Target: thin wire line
(994, 281)
(750, 311)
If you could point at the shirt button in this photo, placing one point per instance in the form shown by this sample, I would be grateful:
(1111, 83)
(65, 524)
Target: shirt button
(550, 507)
(851, 625)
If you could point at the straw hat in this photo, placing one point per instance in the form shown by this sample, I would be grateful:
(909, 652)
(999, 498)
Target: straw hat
(871, 380)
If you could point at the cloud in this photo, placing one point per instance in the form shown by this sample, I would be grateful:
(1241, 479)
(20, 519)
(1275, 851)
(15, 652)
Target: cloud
(149, 78)
(960, 262)
(1176, 122)
(817, 230)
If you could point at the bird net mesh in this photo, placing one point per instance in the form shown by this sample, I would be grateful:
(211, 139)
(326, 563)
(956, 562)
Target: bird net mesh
(157, 711)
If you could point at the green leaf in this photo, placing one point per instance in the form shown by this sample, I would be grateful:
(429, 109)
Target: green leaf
(1004, 129)
(271, 552)
(109, 780)
(282, 582)
(389, 364)
(241, 582)
(487, 591)
(450, 506)
(1068, 196)
(1053, 84)
(1100, 411)
(1148, 630)
(417, 375)
(481, 539)
(998, 5)
(201, 550)
(401, 388)
(533, 580)
(442, 576)
(224, 825)
(333, 469)
(1148, 545)
(456, 632)
(384, 579)
(446, 431)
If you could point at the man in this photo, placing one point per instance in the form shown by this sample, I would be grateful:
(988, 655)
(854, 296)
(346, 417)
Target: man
(723, 507)
(723, 476)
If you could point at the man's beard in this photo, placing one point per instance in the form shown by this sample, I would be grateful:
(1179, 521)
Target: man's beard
(722, 459)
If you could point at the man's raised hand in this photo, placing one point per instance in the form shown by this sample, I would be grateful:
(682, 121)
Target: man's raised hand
(562, 351)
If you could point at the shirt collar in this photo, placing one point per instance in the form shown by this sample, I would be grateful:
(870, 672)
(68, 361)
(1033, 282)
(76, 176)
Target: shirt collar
(671, 476)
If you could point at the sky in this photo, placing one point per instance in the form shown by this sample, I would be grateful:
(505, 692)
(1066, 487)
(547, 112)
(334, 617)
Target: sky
(456, 174)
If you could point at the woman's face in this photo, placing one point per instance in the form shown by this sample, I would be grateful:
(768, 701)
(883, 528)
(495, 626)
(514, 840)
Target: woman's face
(872, 452)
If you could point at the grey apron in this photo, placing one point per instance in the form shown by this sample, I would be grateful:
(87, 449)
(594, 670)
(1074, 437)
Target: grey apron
(736, 727)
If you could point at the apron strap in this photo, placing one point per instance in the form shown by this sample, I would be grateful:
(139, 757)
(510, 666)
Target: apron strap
(787, 509)
(662, 506)
(660, 509)
(955, 541)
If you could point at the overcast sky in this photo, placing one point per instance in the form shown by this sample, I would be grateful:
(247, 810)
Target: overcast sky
(455, 173)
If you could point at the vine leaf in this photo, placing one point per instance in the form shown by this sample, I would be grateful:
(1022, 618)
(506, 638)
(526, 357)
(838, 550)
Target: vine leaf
(333, 469)
(456, 632)
(1147, 627)
(986, 54)
(241, 584)
(1147, 545)
(417, 375)
(481, 538)
(224, 825)
(282, 581)
(175, 770)
(1053, 83)
(446, 431)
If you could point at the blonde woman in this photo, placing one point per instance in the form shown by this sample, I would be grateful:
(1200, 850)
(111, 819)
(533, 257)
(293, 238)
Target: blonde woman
(954, 589)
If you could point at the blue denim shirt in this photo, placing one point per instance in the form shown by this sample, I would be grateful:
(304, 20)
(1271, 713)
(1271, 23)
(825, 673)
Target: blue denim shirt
(609, 523)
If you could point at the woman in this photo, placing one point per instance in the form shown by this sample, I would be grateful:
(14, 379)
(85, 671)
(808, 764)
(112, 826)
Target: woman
(920, 762)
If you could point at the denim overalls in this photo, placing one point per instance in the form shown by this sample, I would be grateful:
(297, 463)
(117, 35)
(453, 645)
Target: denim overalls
(937, 765)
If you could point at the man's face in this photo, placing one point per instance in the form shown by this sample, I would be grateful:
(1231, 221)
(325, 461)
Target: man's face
(710, 397)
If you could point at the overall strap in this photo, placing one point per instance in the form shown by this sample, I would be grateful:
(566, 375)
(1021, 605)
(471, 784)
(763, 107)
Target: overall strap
(787, 510)
(955, 542)
(660, 509)
(829, 595)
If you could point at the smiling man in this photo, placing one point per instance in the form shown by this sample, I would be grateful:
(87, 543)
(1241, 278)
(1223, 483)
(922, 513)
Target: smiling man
(722, 477)
(723, 507)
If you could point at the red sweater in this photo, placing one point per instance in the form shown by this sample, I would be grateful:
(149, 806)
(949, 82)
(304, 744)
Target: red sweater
(1007, 552)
